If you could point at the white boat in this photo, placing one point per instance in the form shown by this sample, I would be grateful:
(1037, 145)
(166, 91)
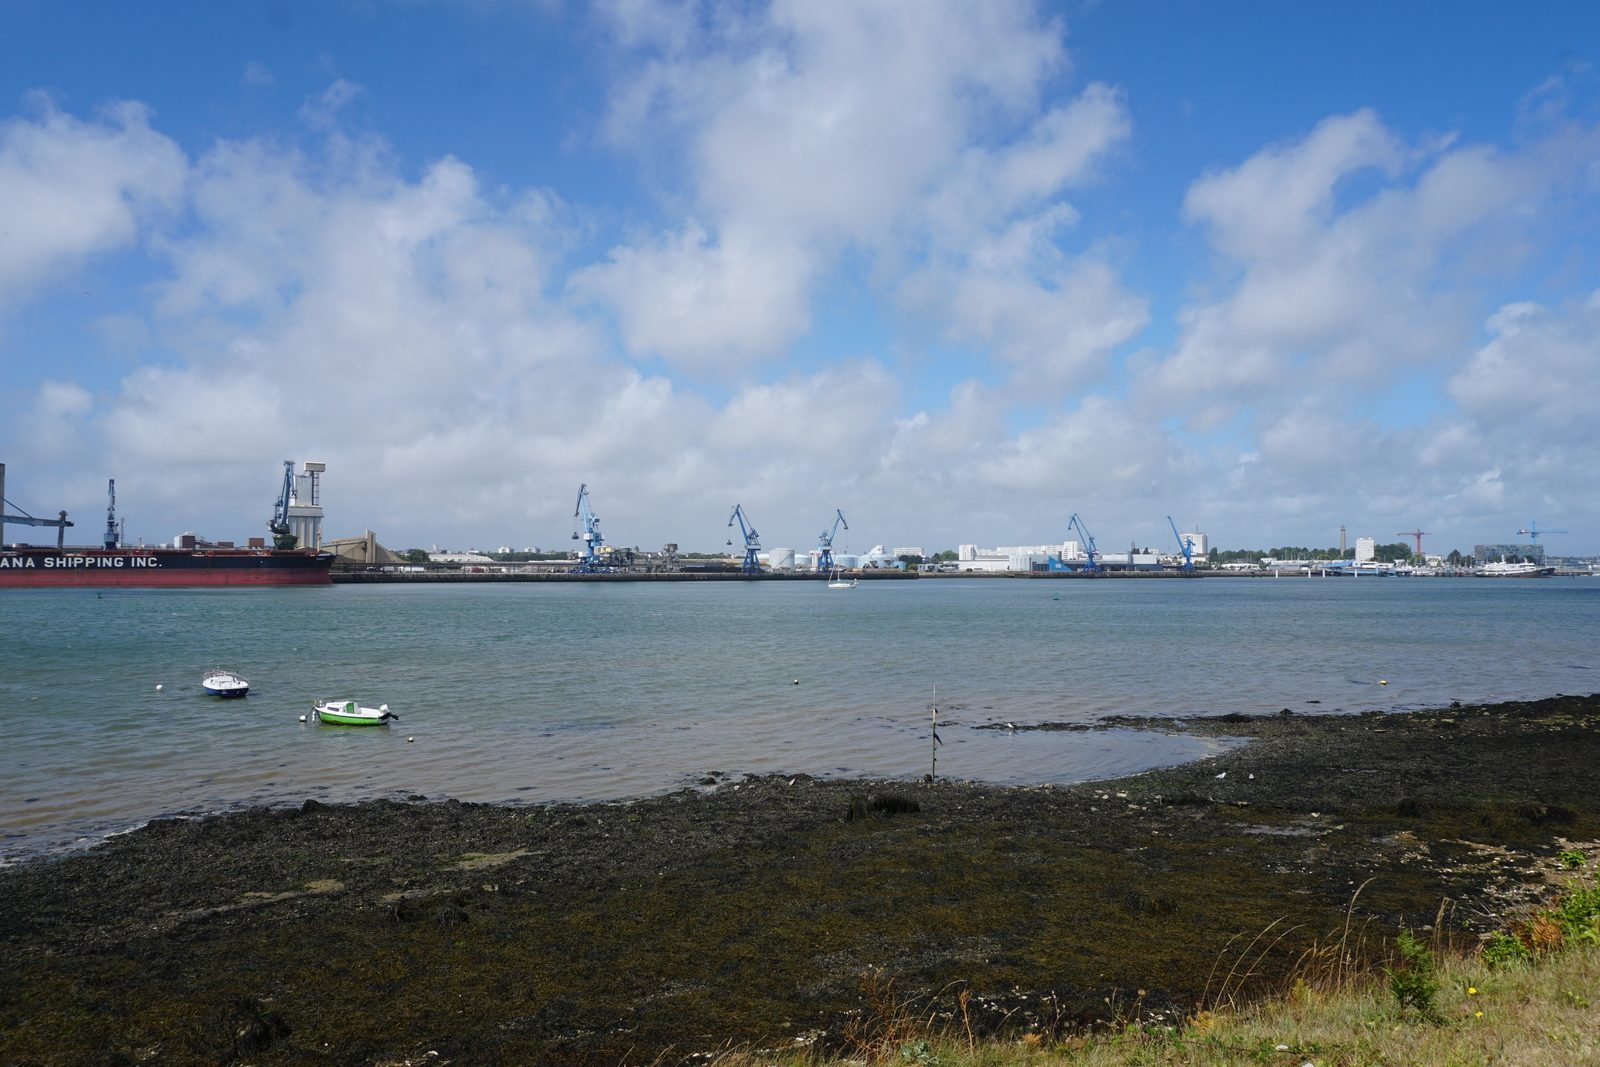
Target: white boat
(349, 713)
(220, 683)
(1514, 570)
(838, 581)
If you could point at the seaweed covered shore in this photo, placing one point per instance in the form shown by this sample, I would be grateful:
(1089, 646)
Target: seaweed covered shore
(771, 910)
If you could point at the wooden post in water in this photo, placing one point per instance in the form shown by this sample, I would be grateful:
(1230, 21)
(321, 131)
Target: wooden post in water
(933, 766)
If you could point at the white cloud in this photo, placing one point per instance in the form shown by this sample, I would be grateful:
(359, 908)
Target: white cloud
(71, 189)
(809, 130)
(1541, 370)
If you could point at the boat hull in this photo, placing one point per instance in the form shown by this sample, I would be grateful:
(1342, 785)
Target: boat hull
(235, 692)
(335, 714)
(56, 568)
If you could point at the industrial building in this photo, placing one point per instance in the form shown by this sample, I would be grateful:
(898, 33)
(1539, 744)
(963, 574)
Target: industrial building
(1494, 553)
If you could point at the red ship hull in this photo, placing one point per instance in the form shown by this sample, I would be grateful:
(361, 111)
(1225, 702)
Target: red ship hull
(40, 568)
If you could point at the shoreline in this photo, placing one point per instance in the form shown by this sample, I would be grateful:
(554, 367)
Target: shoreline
(574, 933)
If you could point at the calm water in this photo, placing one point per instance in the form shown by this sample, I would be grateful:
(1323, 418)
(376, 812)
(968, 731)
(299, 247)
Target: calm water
(529, 693)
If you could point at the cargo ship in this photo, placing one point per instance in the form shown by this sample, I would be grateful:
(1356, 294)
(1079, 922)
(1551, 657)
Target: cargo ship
(297, 519)
(55, 567)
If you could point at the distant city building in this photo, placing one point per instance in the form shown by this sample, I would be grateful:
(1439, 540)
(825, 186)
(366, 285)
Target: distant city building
(1199, 544)
(1366, 548)
(904, 551)
(1491, 553)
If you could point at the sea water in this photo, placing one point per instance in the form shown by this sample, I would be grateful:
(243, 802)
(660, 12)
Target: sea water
(525, 693)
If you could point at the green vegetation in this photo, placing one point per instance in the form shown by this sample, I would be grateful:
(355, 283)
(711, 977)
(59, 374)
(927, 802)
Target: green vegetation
(416, 555)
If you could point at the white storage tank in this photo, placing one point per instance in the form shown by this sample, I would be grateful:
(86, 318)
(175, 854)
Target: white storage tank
(846, 563)
(781, 559)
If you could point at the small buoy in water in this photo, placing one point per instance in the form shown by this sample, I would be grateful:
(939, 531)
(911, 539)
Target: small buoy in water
(1056, 597)
(158, 688)
(1382, 682)
(797, 681)
(410, 739)
(302, 718)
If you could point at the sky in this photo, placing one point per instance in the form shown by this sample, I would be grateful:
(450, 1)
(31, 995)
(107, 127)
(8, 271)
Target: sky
(960, 270)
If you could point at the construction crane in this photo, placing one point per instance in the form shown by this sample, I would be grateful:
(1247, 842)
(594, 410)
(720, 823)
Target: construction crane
(283, 538)
(752, 541)
(592, 540)
(25, 519)
(111, 537)
(1533, 532)
(1185, 545)
(825, 542)
(1418, 533)
(1076, 523)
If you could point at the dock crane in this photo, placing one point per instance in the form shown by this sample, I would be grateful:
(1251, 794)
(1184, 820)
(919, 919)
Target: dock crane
(1185, 545)
(25, 519)
(752, 541)
(825, 542)
(111, 537)
(1076, 523)
(1533, 532)
(283, 538)
(592, 540)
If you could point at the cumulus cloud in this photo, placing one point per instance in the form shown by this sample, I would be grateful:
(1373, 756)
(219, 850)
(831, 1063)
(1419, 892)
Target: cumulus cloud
(810, 131)
(1329, 286)
(71, 189)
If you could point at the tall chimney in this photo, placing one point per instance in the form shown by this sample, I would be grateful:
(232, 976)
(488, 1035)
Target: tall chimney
(1341, 539)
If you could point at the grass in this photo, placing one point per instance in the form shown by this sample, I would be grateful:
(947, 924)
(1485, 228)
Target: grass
(1534, 1013)
(1342, 1008)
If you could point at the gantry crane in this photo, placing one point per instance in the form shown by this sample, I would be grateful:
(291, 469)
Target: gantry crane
(25, 519)
(825, 542)
(752, 541)
(1185, 545)
(1076, 523)
(592, 541)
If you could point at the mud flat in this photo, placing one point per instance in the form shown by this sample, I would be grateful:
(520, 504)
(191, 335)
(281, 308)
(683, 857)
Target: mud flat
(750, 910)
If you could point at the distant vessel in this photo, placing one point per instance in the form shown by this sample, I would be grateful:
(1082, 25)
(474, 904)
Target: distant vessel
(840, 582)
(220, 683)
(54, 567)
(1514, 570)
(189, 562)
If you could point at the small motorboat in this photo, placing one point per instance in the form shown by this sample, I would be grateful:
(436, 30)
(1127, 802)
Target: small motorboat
(349, 713)
(220, 683)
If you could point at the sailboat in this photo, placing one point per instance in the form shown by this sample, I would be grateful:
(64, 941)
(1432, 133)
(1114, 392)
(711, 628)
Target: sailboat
(838, 581)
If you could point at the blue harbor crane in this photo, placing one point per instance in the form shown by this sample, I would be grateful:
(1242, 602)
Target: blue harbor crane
(589, 554)
(752, 541)
(1076, 523)
(1533, 532)
(283, 538)
(825, 542)
(25, 519)
(1185, 545)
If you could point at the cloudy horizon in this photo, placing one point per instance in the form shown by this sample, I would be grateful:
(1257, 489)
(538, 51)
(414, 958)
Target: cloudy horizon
(958, 270)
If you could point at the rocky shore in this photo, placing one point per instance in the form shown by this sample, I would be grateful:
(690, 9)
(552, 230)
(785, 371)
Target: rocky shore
(774, 911)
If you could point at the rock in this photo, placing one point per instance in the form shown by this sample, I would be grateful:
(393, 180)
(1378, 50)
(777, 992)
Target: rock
(250, 1028)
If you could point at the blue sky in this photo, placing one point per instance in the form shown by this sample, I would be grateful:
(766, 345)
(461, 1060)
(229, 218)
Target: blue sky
(961, 270)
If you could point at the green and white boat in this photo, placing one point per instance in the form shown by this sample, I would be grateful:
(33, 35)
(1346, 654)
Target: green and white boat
(349, 713)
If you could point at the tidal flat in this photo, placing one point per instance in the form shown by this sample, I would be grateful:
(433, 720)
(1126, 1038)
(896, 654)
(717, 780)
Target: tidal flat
(770, 911)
